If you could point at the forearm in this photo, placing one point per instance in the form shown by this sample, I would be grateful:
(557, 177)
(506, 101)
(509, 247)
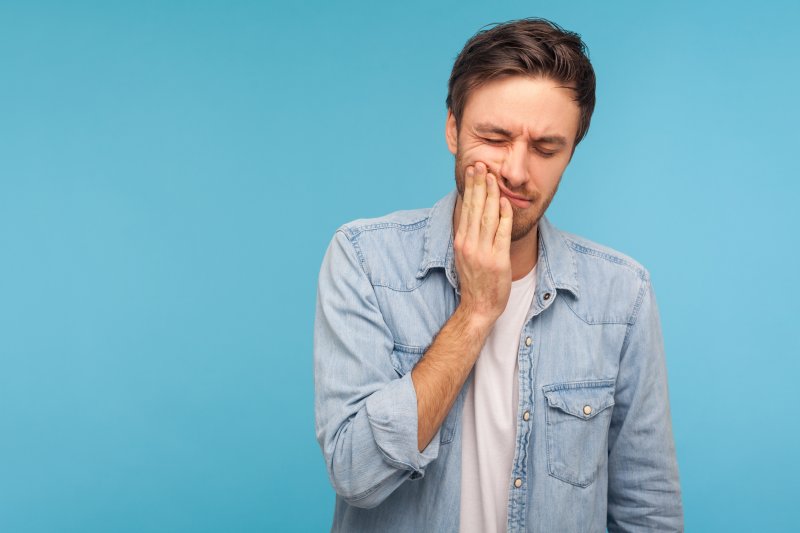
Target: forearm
(442, 371)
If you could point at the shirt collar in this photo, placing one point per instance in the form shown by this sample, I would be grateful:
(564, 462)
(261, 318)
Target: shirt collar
(438, 251)
(557, 269)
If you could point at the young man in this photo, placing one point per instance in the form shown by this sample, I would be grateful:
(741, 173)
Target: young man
(476, 368)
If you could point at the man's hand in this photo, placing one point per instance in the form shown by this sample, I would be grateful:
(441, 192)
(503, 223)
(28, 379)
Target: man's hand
(483, 259)
(482, 247)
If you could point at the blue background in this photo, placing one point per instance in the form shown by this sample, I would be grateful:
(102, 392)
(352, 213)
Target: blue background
(171, 173)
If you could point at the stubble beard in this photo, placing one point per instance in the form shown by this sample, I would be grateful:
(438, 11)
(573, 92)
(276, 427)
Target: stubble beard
(524, 220)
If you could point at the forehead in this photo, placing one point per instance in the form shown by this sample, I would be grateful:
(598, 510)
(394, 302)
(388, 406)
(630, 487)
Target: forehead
(524, 105)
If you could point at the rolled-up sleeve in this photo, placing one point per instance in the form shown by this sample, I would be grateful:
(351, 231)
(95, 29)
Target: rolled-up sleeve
(643, 486)
(365, 412)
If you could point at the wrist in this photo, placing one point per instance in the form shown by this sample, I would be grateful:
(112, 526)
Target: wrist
(474, 323)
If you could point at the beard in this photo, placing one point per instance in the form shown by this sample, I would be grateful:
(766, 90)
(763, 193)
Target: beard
(524, 220)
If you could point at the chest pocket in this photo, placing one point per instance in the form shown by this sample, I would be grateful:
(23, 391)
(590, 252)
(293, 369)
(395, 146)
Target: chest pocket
(578, 416)
(403, 360)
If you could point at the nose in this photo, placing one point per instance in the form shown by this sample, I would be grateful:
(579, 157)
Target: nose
(512, 171)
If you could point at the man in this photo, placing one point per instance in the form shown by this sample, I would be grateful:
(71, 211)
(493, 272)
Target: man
(477, 369)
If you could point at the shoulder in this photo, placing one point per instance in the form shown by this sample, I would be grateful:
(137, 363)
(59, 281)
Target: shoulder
(613, 261)
(612, 284)
(394, 222)
(390, 248)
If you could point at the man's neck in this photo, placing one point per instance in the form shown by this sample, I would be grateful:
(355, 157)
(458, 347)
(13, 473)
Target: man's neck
(524, 254)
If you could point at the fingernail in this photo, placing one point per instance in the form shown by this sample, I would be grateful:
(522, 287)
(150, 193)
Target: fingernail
(470, 171)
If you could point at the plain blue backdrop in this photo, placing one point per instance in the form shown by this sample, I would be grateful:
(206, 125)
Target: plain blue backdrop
(172, 172)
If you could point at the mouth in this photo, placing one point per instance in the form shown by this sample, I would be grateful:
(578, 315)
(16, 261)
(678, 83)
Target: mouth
(519, 201)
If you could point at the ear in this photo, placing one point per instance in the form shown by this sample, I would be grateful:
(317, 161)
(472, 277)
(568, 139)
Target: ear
(451, 132)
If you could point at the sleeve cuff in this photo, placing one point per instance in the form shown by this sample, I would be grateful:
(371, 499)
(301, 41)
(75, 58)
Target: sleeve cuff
(392, 415)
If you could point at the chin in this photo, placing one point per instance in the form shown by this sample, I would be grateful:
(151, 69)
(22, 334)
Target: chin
(522, 231)
(524, 221)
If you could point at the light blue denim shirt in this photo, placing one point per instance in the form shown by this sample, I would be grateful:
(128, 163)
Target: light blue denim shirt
(596, 450)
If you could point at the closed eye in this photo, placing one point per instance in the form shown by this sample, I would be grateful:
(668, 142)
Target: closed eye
(497, 142)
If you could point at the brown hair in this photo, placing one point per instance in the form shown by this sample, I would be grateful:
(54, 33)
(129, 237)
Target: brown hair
(526, 47)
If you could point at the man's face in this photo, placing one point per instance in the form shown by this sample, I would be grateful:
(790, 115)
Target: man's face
(523, 129)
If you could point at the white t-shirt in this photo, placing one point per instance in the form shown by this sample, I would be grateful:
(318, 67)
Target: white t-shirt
(489, 425)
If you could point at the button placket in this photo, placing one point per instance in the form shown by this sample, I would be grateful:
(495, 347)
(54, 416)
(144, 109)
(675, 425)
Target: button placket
(518, 496)
(526, 415)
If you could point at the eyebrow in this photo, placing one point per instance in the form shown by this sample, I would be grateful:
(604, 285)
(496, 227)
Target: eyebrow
(488, 127)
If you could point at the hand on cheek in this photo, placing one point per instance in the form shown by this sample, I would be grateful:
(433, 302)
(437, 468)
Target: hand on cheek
(482, 245)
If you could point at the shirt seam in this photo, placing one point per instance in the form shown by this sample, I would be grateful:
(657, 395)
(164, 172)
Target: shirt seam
(645, 284)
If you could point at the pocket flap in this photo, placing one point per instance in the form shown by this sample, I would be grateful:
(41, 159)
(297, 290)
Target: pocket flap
(583, 399)
(404, 357)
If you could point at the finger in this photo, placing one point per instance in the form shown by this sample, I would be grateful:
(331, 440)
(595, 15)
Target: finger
(502, 239)
(491, 213)
(477, 202)
(466, 200)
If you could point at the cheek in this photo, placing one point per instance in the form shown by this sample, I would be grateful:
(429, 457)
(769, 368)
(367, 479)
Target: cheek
(481, 152)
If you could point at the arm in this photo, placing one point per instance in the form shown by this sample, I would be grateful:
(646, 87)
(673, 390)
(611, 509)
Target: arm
(643, 486)
(482, 254)
(375, 430)
(442, 371)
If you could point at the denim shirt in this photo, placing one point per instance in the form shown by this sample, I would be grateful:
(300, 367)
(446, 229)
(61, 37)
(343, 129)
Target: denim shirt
(596, 450)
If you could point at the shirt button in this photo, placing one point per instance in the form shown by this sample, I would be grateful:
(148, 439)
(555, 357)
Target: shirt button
(526, 416)
(528, 341)
(547, 296)
(518, 482)
(587, 409)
